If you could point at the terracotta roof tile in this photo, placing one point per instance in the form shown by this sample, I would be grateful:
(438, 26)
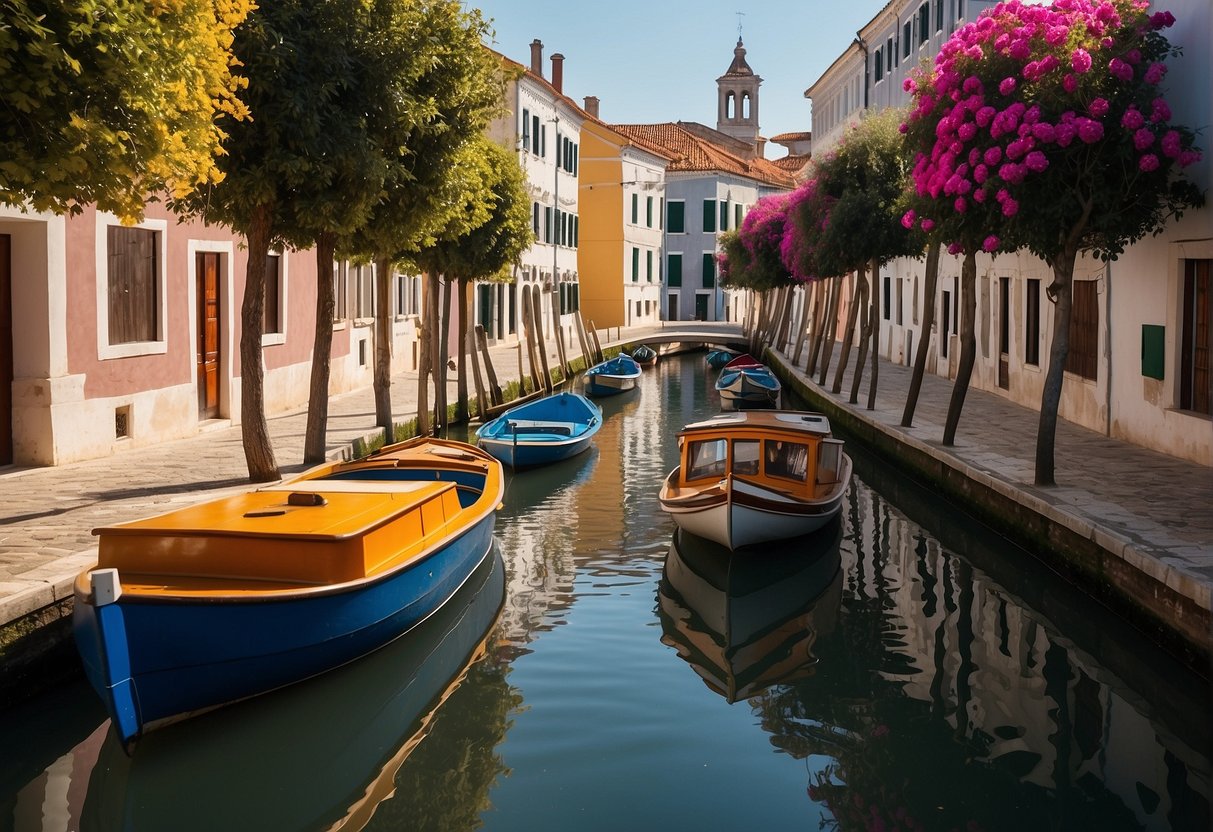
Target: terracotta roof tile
(692, 153)
(802, 136)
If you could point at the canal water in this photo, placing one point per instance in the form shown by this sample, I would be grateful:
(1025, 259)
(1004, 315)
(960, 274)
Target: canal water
(904, 668)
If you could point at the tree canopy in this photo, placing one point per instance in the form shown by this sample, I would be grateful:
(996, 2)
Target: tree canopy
(109, 102)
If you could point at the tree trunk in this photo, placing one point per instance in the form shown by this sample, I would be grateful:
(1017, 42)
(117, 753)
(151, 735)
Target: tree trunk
(472, 347)
(865, 333)
(425, 362)
(802, 329)
(461, 400)
(875, 317)
(849, 334)
(831, 327)
(383, 348)
(785, 319)
(254, 430)
(820, 322)
(441, 417)
(315, 443)
(924, 339)
(541, 341)
(968, 345)
(1061, 292)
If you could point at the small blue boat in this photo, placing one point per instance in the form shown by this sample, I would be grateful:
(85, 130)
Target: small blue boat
(214, 603)
(617, 375)
(543, 431)
(747, 383)
(718, 358)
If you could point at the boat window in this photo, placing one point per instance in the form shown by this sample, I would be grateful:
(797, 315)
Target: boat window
(789, 460)
(707, 458)
(745, 456)
(829, 458)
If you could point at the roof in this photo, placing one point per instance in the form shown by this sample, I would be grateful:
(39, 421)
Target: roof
(539, 79)
(801, 136)
(793, 162)
(739, 65)
(693, 153)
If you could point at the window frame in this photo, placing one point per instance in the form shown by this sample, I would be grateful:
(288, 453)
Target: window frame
(671, 272)
(682, 216)
(157, 346)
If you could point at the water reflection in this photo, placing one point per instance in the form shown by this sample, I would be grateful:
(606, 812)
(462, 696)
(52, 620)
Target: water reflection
(750, 620)
(323, 754)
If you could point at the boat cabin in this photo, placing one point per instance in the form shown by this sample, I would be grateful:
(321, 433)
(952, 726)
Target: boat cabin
(786, 451)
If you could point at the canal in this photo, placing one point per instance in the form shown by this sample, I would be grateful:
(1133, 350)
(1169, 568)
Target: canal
(904, 668)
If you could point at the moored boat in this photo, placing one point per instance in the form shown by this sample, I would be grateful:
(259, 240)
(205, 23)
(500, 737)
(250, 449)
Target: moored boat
(644, 355)
(745, 624)
(541, 432)
(217, 602)
(613, 376)
(755, 476)
(718, 358)
(745, 382)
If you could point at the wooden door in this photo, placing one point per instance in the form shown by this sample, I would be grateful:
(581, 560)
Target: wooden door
(1197, 337)
(701, 307)
(1004, 332)
(208, 334)
(6, 350)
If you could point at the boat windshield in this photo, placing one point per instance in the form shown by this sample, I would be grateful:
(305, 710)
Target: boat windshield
(745, 456)
(707, 458)
(829, 459)
(788, 460)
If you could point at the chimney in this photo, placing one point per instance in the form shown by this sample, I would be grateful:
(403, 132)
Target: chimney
(537, 57)
(591, 105)
(558, 72)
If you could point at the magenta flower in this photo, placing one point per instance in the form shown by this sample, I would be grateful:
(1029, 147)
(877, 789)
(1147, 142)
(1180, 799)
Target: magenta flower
(1044, 132)
(1099, 108)
(1171, 147)
(1148, 162)
(1189, 157)
(955, 248)
(1011, 172)
(979, 195)
(1121, 70)
(1070, 83)
(1056, 35)
(1080, 61)
(1143, 138)
(972, 85)
(907, 219)
(967, 131)
(1010, 208)
(1090, 131)
(927, 224)
(993, 156)
(909, 86)
(1066, 131)
(1007, 86)
(980, 174)
(1132, 119)
(1162, 20)
(1036, 161)
(961, 205)
(1161, 111)
(984, 116)
(990, 244)
(1156, 72)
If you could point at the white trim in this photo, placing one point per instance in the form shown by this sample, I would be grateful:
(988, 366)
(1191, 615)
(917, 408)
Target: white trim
(274, 339)
(106, 350)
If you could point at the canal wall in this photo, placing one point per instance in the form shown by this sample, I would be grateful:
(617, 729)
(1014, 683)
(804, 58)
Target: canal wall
(1157, 591)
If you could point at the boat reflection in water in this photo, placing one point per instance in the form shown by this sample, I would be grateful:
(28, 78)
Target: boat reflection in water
(322, 754)
(745, 622)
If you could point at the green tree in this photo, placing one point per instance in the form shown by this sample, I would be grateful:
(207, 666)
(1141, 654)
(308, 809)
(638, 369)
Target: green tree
(1057, 109)
(107, 102)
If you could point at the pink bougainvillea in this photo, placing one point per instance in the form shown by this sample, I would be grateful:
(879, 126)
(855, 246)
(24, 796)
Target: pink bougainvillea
(1026, 84)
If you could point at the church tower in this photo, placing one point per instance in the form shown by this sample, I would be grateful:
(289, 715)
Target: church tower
(737, 101)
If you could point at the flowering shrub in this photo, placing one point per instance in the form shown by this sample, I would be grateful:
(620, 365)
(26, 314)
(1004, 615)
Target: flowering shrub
(1036, 105)
(750, 256)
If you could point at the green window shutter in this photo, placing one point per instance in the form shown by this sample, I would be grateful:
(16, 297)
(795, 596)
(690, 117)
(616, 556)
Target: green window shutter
(724, 216)
(709, 216)
(648, 266)
(635, 209)
(676, 221)
(737, 215)
(648, 212)
(635, 265)
(674, 270)
(709, 270)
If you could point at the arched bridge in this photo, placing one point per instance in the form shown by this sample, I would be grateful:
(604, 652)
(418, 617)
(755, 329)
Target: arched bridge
(708, 333)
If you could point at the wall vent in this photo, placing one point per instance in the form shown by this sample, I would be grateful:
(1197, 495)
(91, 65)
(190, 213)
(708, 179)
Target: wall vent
(122, 422)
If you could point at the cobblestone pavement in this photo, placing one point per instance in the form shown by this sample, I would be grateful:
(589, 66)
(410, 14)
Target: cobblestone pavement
(1155, 507)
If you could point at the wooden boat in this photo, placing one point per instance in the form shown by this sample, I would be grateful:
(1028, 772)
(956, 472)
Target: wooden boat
(644, 355)
(221, 601)
(745, 382)
(543, 431)
(613, 376)
(745, 624)
(718, 358)
(756, 476)
(335, 744)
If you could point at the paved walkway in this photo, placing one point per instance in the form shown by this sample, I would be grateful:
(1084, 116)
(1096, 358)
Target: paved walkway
(1152, 509)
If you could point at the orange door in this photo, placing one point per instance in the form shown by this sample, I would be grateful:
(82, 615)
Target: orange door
(208, 335)
(6, 351)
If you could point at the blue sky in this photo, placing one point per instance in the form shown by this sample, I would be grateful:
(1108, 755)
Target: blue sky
(658, 60)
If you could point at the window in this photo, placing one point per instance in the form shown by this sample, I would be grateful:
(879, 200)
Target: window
(745, 457)
(938, 15)
(271, 317)
(960, 9)
(907, 35)
(709, 216)
(576, 230)
(1195, 328)
(648, 211)
(676, 219)
(674, 270)
(660, 211)
(900, 305)
(887, 291)
(878, 65)
(1031, 325)
(709, 269)
(635, 265)
(635, 209)
(547, 224)
(724, 215)
(707, 458)
(945, 315)
(1083, 358)
(535, 218)
(788, 460)
(134, 275)
(543, 140)
(526, 129)
(535, 135)
(339, 293)
(924, 23)
(648, 266)
(364, 291)
(737, 215)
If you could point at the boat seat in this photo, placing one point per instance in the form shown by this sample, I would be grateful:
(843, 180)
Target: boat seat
(534, 426)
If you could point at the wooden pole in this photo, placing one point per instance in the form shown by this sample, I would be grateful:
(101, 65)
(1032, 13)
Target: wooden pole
(537, 317)
(482, 342)
(598, 354)
(482, 402)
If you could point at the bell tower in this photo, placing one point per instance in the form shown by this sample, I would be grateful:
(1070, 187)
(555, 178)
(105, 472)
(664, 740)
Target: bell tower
(737, 100)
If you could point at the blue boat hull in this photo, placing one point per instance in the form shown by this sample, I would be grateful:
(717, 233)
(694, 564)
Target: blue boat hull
(543, 432)
(741, 389)
(532, 455)
(157, 661)
(610, 378)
